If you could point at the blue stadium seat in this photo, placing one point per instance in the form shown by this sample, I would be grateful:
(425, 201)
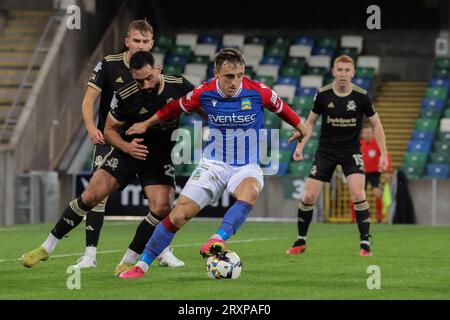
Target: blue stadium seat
(364, 83)
(440, 82)
(323, 51)
(434, 103)
(288, 80)
(305, 40)
(305, 91)
(175, 59)
(210, 39)
(438, 170)
(419, 146)
(422, 135)
(284, 145)
(272, 60)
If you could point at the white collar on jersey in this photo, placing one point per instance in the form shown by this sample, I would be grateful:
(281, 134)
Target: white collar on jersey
(223, 94)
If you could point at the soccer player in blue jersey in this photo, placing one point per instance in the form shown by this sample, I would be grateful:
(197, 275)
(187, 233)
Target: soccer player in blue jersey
(235, 108)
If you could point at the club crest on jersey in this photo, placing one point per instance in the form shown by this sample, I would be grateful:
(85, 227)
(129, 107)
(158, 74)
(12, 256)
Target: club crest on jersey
(351, 106)
(214, 102)
(246, 104)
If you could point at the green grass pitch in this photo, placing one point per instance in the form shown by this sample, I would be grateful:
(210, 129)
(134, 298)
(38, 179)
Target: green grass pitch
(414, 262)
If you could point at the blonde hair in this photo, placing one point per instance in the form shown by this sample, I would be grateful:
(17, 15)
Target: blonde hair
(141, 25)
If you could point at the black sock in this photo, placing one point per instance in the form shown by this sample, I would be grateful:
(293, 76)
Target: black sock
(143, 232)
(363, 219)
(72, 217)
(94, 224)
(305, 212)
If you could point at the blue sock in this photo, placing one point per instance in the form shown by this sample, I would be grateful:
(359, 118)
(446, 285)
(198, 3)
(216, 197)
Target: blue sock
(234, 218)
(161, 238)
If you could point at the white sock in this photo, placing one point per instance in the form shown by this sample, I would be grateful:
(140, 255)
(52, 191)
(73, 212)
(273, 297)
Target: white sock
(300, 238)
(129, 257)
(50, 244)
(216, 236)
(141, 264)
(91, 252)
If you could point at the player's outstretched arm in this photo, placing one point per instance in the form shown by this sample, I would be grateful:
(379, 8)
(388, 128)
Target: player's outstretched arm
(87, 110)
(309, 124)
(381, 140)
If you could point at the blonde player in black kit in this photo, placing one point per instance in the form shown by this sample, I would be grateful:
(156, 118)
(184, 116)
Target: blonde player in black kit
(146, 156)
(342, 106)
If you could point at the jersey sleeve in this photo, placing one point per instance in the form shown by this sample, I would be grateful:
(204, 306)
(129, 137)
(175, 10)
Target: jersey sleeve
(368, 108)
(117, 109)
(98, 76)
(187, 85)
(187, 103)
(275, 104)
(317, 105)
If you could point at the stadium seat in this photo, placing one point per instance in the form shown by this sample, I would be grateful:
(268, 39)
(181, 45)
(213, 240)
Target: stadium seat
(269, 80)
(440, 157)
(300, 51)
(293, 81)
(280, 41)
(443, 62)
(328, 42)
(268, 70)
(194, 79)
(294, 62)
(444, 136)
(440, 93)
(173, 69)
(175, 60)
(159, 58)
(415, 158)
(365, 72)
(299, 168)
(287, 71)
(323, 52)
(321, 61)
(233, 40)
(285, 91)
(430, 113)
(158, 49)
(284, 144)
(311, 146)
(259, 40)
(442, 146)
(440, 83)
(272, 60)
(252, 62)
(306, 91)
(284, 155)
(186, 39)
(199, 59)
(427, 124)
(447, 113)
(316, 71)
(302, 105)
(444, 72)
(311, 81)
(438, 171)
(422, 135)
(304, 40)
(196, 69)
(413, 171)
(419, 146)
(350, 41)
(184, 50)
(165, 41)
(275, 51)
(216, 40)
(253, 50)
(205, 49)
(369, 62)
(364, 83)
(352, 52)
(436, 103)
(445, 125)
(271, 120)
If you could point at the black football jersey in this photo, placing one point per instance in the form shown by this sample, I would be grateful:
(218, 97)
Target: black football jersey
(108, 76)
(342, 117)
(131, 105)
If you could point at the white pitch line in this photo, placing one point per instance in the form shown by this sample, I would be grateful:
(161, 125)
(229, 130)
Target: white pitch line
(174, 246)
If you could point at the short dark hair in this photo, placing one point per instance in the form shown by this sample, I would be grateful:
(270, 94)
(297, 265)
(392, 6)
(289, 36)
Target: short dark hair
(141, 59)
(230, 55)
(141, 25)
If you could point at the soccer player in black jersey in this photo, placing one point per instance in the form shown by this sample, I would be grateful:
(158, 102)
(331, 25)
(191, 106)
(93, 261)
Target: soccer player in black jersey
(147, 156)
(342, 106)
(111, 73)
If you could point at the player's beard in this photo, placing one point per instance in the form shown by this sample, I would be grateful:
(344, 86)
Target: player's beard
(153, 91)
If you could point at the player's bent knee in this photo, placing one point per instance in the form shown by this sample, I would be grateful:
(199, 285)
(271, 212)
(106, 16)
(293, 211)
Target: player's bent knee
(161, 209)
(309, 198)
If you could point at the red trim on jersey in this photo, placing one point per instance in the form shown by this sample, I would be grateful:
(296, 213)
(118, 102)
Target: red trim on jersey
(272, 102)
